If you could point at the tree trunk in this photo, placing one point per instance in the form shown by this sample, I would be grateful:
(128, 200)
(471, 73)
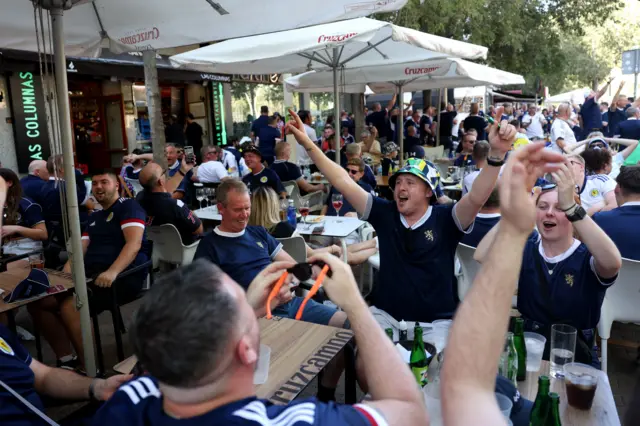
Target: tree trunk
(154, 107)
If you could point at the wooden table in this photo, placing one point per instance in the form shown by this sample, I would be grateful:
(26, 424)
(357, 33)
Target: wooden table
(299, 351)
(11, 278)
(602, 413)
(382, 180)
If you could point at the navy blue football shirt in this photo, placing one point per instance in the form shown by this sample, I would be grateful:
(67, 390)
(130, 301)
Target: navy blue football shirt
(416, 279)
(575, 290)
(266, 177)
(104, 231)
(622, 226)
(15, 372)
(139, 403)
(240, 255)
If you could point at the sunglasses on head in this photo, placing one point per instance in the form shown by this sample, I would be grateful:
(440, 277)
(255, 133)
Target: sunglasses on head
(548, 186)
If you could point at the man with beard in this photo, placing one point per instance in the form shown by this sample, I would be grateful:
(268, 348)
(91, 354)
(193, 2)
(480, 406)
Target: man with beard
(417, 239)
(112, 242)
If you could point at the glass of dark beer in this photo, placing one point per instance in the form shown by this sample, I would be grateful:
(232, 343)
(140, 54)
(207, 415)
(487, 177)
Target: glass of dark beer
(581, 381)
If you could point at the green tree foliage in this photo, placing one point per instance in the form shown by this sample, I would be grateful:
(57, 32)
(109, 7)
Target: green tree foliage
(535, 38)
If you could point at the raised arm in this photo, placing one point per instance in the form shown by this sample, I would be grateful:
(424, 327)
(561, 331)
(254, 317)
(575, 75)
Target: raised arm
(477, 334)
(604, 251)
(602, 91)
(399, 401)
(392, 102)
(631, 145)
(615, 97)
(501, 138)
(334, 173)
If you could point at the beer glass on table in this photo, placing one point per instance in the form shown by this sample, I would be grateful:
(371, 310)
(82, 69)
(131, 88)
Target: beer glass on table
(304, 210)
(200, 195)
(563, 347)
(337, 202)
(36, 261)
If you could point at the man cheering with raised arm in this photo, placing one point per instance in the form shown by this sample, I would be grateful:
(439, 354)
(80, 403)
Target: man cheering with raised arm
(417, 239)
(477, 334)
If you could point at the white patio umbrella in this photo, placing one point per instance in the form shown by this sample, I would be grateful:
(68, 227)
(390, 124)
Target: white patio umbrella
(412, 76)
(123, 25)
(346, 44)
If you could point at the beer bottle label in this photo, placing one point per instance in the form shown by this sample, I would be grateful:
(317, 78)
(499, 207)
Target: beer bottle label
(420, 373)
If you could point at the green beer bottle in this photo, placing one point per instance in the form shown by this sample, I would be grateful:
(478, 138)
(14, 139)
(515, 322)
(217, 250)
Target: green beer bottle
(541, 404)
(418, 361)
(511, 367)
(553, 416)
(521, 348)
(389, 332)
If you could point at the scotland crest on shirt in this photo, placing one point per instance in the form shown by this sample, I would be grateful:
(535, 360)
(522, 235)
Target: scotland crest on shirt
(568, 278)
(428, 234)
(4, 347)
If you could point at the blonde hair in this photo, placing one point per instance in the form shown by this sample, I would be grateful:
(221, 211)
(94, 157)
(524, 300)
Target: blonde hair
(265, 208)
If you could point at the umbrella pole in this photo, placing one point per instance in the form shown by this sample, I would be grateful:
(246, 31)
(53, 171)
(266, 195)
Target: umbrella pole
(336, 104)
(76, 254)
(439, 123)
(400, 125)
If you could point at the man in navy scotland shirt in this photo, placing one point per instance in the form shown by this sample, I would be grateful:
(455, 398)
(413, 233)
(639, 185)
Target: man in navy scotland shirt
(288, 171)
(201, 365)
(630, 129)
(621, 223)
(260, 122)
(260, 175)
(590, 112)
(32, 183)
(268, 136)
(417, 239)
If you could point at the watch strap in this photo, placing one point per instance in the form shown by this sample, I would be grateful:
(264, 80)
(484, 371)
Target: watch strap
(495, 163)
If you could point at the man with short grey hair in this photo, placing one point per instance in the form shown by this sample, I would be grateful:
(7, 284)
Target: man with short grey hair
(630, 129)
(201, 365)
(32, 183)
(560, 129)
(211, 170)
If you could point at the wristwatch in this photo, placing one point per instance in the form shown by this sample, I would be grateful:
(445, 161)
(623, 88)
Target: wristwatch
(495, 162)
(576, 213)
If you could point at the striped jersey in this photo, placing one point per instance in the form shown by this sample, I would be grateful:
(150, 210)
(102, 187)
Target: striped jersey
(139, 402)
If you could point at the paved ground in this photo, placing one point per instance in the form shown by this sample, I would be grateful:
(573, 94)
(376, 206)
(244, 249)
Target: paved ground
(624, 373)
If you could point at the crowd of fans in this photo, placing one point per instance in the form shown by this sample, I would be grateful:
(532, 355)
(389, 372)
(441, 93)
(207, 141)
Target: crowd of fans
(196, 332)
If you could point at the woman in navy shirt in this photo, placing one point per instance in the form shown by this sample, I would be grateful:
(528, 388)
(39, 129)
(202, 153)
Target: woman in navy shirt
(563, 279)
(22, 217)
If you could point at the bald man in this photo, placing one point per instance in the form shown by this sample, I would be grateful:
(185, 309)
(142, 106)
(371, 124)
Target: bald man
(33, 182)
(562, 136)
(162, 209)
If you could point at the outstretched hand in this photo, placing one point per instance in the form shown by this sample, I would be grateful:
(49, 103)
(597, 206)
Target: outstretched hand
(295, 126)
(523, 168)
(502, 135)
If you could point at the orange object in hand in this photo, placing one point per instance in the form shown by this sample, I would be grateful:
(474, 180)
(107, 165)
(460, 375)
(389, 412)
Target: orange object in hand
(313, 291)
(274, 291)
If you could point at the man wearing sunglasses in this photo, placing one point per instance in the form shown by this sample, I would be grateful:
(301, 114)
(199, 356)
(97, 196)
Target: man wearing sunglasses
(417, 238)
(355, 168)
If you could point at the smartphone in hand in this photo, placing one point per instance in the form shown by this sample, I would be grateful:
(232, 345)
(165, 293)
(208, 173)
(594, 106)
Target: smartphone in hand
(189, 155)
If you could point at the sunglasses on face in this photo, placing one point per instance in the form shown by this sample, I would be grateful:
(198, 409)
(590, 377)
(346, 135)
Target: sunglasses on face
(353, 172)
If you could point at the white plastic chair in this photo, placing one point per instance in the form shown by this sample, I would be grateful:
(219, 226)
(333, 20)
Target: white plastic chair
(314, 198)
(168, 247)
(621, 303)
(470, 268)
(295, 247)
(135, 183)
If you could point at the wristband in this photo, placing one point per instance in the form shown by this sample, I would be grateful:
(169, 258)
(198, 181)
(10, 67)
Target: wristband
(182, 173)
(495, 163)
(570, 208)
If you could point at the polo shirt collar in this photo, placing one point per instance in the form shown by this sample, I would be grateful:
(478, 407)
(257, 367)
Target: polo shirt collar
(631, 203)
(632, 118)
(420, 222)
(280, 161)
(260, 172)
(228, 234)
(561, 256)
(175, 165)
